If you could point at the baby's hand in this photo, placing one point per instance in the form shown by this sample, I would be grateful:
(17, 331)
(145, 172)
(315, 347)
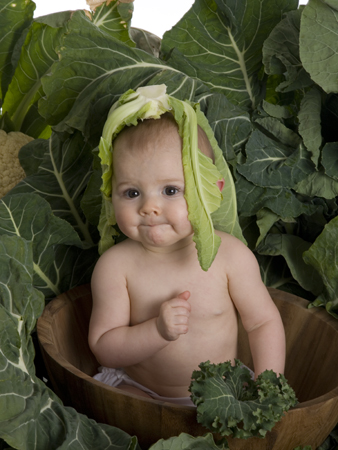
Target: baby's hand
(174, 316)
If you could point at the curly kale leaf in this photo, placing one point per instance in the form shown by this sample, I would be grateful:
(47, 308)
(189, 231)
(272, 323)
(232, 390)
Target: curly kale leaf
(229, 402)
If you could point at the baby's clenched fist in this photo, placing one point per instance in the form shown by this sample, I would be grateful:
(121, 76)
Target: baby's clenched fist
(174, 317)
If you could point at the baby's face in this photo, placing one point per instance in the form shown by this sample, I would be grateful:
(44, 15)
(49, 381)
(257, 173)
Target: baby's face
(148, 191)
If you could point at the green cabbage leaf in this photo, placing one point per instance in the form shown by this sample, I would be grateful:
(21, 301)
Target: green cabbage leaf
(186, 442)
(229, 402)
(31, 415)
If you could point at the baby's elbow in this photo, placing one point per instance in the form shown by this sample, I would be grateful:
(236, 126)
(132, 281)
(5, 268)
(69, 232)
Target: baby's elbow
(95, 346)
(98, 352)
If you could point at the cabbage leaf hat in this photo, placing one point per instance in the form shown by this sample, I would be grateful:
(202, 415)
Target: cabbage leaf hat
(208, 209)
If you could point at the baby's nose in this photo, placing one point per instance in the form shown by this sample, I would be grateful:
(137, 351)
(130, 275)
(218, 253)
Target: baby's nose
(150, 205)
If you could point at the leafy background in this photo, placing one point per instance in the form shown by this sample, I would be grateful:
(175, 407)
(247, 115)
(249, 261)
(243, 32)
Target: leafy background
(265, 74)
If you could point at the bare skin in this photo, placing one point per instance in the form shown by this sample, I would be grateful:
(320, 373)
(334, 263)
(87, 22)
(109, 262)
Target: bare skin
(156, 313)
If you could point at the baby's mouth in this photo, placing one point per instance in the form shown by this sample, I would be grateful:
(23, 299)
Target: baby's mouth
(153, 224)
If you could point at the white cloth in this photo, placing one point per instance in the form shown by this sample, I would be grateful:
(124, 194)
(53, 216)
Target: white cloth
(115, 377)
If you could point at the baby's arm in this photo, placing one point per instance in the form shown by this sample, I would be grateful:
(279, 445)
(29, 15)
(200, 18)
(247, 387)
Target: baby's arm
(259, 315)
(111, 338)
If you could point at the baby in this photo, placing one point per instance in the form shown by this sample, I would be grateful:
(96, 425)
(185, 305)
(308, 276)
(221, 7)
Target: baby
(156, 313)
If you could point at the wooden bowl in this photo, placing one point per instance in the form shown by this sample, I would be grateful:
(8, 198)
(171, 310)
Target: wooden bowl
(311, 369)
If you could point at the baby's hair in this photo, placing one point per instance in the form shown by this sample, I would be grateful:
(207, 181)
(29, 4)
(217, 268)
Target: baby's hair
(145, 130)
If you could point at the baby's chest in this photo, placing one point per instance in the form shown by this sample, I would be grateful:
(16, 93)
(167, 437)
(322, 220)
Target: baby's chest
(209, 297)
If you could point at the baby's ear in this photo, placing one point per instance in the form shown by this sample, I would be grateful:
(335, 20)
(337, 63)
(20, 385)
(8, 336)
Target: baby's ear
(220, 184)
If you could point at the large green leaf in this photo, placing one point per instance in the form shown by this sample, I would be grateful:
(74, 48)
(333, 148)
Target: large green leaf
(93, 70)
(114, 18)
(37, 55)
(58, 170)
(281, 54)
(272, 164)
(17, 294)
(31, 416)
(30, 217)
(146, 41)
(330, 159)
(275, 127)
(318, 184)
(329, 118)
(222, 42)
(292, 247)
(319, 43)
(14, 18)
(275, 273)
(283, 202)
(323, 256)
(230, 124)
(265, 220)
(186, 442)
(309, 122)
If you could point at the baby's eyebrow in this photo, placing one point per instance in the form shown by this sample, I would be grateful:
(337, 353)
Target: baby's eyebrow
(172, 180)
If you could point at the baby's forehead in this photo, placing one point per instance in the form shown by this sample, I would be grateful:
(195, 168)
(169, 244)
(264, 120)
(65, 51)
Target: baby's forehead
(148, 132)
(152, 132)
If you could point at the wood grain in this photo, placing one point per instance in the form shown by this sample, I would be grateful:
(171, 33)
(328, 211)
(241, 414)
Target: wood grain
(311, 369)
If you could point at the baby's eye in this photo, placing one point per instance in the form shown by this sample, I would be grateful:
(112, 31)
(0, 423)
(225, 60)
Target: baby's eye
(132, 193)
(170, 190)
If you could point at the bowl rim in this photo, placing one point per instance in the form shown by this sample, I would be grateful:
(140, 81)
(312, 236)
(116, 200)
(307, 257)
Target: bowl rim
(63, 300)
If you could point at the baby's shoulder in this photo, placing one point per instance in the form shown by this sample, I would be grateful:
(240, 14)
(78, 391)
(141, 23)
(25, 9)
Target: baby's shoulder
(229, 241)
(118, 256)
(234, 249)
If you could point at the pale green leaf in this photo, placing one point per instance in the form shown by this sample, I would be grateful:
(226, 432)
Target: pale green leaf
(200, 176)
(225, 217)
(319, 43)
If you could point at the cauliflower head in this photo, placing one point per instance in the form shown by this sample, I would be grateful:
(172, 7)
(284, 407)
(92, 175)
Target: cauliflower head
(11, 171)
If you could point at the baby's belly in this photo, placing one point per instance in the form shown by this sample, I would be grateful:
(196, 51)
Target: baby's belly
(169, 372)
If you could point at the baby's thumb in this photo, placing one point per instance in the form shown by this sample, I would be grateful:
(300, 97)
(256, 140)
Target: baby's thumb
(184, 295)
